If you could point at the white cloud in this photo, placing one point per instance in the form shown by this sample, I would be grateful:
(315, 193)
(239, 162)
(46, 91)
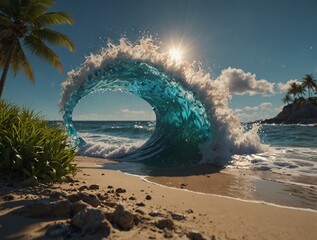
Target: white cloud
(240, 83)
(283, 87)
(262, 106)
(132, 112)
(237, 110)
(248, 117)
(262, 111)
(122, 114)
(128, 114)
(92, 116)
(278, 109)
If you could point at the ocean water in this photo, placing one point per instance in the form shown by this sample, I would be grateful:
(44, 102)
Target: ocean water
(292, 148)
(194, 123)
(113, 139)
(195, 130)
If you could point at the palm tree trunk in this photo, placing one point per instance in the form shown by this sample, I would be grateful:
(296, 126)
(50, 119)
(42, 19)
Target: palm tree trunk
(6, 66)
(309, 92)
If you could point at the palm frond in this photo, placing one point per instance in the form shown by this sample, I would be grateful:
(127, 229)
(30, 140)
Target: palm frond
(5, 21)
(39, 48)
(21, 61)
(5, 33)
(27, 20)
(54, 38)
(53, 18)
(10, 8)
(36, 8)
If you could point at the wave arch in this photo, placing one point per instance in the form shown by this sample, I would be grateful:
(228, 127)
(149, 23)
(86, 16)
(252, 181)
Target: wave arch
(193, 121)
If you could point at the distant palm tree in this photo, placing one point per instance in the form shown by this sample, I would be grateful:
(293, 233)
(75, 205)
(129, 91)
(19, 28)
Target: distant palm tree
(287, 99)
(301, 90)
(295, 89)
(310, 83)
(26, 21)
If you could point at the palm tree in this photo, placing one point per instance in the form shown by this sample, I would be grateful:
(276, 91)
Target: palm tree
(24, 23)
(295, 89)
(287, 99)
(301, 90)
(309, 82)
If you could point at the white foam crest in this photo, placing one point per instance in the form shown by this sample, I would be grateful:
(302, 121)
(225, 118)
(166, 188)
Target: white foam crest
(291, 161)
(228, 136)
(105, 150)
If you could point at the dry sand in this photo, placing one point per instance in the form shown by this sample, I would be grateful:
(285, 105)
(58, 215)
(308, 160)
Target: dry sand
(214, 217)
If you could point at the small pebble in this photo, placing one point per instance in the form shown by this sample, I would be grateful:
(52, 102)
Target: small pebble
(178, 217)
(140, 211)
(155, 214)
(193, 235)
(120, 190)
(140, 204)
(82, 188)
(94, 187)
(189, 211)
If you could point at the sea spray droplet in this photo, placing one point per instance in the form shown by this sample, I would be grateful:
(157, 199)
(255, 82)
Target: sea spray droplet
(193, 121)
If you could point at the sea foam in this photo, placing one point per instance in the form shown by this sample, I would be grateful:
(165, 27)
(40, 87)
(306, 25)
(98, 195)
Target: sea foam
(193, 120)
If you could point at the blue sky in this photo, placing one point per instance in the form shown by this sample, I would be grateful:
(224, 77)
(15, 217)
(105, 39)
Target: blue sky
(242, 43)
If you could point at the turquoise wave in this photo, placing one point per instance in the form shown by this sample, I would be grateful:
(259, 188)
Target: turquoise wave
(193, 121)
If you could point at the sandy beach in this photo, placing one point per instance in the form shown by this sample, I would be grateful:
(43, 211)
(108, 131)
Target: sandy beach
(155, 211)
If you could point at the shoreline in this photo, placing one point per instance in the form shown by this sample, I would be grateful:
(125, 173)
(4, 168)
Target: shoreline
(261, 186)
(236, 198)
(244, 185)
(211, 216)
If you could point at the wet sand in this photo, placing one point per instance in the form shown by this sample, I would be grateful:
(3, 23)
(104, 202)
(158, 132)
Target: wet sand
(300, 192)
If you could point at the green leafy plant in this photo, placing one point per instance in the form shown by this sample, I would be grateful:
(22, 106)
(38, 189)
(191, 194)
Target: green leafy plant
(30, 148)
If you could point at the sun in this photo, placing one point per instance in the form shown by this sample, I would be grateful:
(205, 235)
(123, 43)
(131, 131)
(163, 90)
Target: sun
(175, 54)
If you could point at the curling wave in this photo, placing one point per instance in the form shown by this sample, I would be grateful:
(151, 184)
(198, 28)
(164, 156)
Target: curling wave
(193, 121)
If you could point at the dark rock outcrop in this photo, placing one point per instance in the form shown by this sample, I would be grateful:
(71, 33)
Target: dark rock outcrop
(165, 223)
(193, 235)
(123, 218)
(91, 199)
(91, 220)
(305, 113)
(59, 231)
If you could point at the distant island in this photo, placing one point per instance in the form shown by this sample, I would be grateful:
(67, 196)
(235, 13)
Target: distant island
(305, 113)
(299, 109)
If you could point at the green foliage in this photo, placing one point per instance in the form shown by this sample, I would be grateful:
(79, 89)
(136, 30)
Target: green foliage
(30, 148)
(26, 25)
(309, 83)
(27, 22)
(287, 99)
(298, 90)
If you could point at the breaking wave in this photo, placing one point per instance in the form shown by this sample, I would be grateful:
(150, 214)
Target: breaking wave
(193, 121)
